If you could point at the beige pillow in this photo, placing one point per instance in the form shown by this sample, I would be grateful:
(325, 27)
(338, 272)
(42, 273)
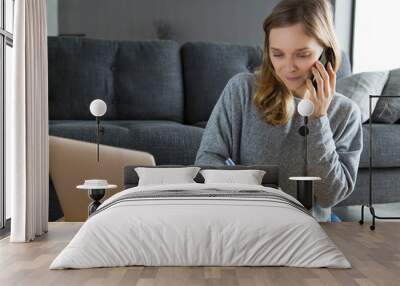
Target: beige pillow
(248, 177)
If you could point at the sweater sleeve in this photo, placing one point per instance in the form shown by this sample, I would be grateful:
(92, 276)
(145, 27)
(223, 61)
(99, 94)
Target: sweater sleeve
(216, 143)
(335, 158)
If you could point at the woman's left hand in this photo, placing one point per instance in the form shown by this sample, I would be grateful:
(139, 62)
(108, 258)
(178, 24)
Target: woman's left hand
(326, 82)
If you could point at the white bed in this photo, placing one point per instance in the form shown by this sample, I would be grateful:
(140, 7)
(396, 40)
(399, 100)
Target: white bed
(185, 230)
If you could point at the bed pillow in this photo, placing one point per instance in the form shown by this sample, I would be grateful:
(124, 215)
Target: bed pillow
(164, 176)
(248, 177)
(359, 86)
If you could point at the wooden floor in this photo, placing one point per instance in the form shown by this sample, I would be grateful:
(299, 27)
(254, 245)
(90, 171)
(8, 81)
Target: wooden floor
(375, 257)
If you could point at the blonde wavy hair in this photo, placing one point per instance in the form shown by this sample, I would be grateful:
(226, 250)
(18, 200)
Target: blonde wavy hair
(273, 99)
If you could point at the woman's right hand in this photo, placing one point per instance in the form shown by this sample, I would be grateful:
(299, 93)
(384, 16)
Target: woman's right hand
(326, 83)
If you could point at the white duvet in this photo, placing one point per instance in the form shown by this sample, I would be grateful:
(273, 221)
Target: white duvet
(200, 231)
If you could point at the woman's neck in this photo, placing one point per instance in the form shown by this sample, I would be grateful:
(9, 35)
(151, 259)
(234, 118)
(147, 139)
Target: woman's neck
(300, 92)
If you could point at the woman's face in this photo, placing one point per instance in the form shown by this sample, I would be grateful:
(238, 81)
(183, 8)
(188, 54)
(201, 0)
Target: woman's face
(292, 54)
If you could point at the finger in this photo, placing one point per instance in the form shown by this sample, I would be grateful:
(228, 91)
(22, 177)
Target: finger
(320, 82)
(312, 92)
(322, 71)
(325, 77)
(307, 94)
(332, 77)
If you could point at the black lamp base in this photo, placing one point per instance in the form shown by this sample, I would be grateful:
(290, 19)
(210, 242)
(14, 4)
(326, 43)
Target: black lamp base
(305, 193)
(305, 190)
(96, 195)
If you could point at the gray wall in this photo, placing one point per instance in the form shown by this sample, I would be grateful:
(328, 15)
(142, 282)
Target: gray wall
(52, 17)
(343, 24)
(235, 21)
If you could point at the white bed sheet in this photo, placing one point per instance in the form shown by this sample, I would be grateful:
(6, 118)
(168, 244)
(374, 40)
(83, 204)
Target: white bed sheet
(200, 232)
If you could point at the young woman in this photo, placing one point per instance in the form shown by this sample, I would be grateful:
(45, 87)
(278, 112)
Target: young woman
(255, 121)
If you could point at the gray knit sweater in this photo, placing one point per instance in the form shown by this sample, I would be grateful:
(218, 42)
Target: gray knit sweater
(235, 130)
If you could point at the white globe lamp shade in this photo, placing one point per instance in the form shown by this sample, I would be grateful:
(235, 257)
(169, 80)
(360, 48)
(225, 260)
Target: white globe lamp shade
(98, 107)
(305, 107)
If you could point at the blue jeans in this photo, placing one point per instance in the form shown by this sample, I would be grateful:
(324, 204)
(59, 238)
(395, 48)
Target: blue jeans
(335, 218)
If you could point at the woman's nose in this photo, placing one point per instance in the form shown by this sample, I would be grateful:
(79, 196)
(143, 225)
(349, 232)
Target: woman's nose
(291, 64)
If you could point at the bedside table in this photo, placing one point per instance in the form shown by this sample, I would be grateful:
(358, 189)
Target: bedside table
(305, 190)
(96, 190)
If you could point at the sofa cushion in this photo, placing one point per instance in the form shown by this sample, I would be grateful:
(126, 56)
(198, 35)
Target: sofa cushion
(207, 67)
(169, 142)
(359, 86)
(148, 81)
(201, 124)
(387, 110)
(385, 146)
(79, 71)
(85, 130)
(385, 187)
(137, 80)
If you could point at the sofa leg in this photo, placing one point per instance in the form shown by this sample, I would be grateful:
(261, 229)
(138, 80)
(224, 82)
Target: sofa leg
(372, 211)
(374, 216)
(361, 221)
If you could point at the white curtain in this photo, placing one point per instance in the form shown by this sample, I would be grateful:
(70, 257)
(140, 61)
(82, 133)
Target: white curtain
(27, 124)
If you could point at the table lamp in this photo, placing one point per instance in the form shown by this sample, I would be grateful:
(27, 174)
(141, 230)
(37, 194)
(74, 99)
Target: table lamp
(98, 108)
(305, 109)
(305, 192)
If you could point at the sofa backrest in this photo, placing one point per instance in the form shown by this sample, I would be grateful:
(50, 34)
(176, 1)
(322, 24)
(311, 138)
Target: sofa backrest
(139, 80)
(145, 80)
(207, 68)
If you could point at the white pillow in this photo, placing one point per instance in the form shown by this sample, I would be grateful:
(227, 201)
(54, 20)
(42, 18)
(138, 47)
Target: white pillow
(164, 176)
(248, 177)
(359, 86)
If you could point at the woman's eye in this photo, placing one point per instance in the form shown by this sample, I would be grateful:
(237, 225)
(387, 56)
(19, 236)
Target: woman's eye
(277, 56)
(304, 55)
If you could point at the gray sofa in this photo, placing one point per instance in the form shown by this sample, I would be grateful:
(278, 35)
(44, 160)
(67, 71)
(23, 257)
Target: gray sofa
(160, 96)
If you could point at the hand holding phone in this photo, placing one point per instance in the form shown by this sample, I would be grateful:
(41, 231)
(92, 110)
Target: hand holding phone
(321, 85)
(324, 61)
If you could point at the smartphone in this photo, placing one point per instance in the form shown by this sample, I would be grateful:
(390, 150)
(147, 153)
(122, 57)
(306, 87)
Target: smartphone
(325, 58)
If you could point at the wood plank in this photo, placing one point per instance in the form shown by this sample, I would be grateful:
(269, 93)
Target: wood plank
(374, 255)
